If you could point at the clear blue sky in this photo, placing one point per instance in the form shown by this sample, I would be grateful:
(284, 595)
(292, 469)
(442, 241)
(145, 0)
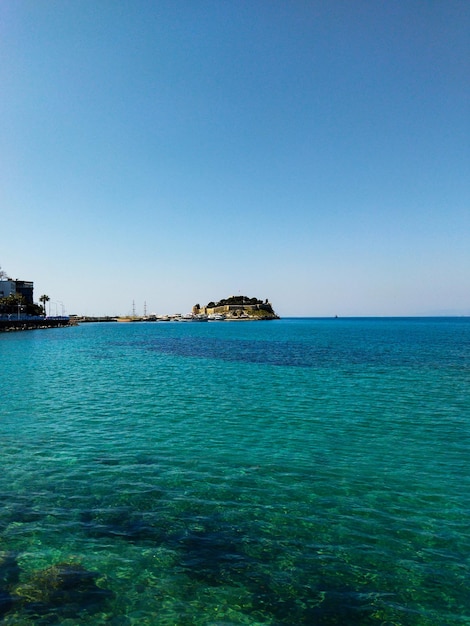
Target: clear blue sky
(181, 151)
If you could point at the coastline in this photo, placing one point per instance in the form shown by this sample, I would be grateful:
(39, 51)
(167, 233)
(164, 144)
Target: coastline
(34, 324)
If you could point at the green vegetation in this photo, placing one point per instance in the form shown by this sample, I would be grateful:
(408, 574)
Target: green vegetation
(44, 299)
(234, 300)
(15, 304)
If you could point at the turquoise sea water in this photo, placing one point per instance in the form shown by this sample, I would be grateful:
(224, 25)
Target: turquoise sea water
(300, 471)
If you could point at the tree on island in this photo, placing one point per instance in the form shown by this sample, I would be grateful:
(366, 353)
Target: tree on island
(235, 300)
(44, 299)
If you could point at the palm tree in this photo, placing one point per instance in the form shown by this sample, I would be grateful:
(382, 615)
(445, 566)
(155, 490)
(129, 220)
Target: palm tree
(44, 299)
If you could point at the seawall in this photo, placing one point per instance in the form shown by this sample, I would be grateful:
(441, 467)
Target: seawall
(34, 323)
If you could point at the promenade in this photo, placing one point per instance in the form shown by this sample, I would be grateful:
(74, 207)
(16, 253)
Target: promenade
(12, 322)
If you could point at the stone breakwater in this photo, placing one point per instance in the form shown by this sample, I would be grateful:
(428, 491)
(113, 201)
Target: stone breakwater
(34, 324)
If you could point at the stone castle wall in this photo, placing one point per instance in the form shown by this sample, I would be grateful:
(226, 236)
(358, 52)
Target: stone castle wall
(229, 308)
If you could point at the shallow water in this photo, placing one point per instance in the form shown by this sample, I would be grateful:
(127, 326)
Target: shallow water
(290, 472)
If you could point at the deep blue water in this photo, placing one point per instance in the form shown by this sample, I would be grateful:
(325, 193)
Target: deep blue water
(301, 471)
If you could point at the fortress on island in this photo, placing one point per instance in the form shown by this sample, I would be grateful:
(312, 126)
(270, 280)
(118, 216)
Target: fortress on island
(238, 307)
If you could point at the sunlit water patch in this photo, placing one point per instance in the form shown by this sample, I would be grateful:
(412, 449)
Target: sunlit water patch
(291, 472)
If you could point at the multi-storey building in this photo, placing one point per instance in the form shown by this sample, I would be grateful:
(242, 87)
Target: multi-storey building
(23, 288)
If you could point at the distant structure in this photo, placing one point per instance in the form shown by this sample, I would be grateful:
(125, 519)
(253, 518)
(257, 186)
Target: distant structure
(10, 287)
(237, 307)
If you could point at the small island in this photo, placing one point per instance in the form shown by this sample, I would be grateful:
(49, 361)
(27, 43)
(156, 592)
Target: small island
(237, 308)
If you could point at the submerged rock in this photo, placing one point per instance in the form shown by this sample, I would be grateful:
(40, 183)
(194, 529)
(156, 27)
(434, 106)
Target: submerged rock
(9, 575)
(6, 602)
(64, 588)
(9, 569)
(122, 522)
